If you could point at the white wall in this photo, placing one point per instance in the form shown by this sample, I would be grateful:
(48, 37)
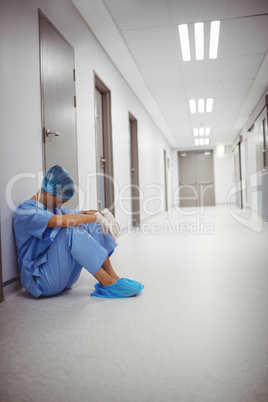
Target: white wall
(174, 177)
(223, 172)
(248, 156)
(21, 149)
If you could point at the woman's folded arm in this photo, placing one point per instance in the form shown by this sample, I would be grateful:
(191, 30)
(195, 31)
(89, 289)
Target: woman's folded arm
(67, 220)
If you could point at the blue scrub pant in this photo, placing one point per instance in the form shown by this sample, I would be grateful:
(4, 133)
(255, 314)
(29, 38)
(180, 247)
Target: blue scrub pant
(73, 248)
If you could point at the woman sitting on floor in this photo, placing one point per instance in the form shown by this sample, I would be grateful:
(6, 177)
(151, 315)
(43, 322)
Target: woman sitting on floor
(54, 242)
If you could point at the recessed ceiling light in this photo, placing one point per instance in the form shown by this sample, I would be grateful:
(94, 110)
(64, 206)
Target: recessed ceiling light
(206, 141)
(192, 105)
(201, 105)
(201, 131)
(209, 106)
(202, 141)
(199, 40)
(214, 39)
(185, 44)
(196, 141)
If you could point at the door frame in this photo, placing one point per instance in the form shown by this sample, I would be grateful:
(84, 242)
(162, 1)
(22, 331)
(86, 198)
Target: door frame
(68, 158)
(107, 142)
(134, 162)
(41, 14)
(1, 275)
(238, 180)
(165, 180)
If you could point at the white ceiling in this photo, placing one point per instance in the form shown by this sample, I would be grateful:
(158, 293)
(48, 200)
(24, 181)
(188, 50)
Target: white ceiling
(141, 37)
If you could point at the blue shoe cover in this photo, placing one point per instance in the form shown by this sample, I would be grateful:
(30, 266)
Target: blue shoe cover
(117, 290)
(138, 284)
(129, 282)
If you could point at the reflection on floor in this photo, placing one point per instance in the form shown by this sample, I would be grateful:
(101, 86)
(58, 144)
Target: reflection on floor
(198, 332)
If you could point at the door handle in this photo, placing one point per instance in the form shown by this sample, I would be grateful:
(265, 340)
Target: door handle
(102, 160)
(205, 182)
(187, 183)
(55, 133)
(132, 170)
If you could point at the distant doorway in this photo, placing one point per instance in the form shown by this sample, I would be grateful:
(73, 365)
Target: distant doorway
(165, 181)
(104, 146)
(237, 176)
(134, 170)
(58, 101)
(196, 173)
(1, 277)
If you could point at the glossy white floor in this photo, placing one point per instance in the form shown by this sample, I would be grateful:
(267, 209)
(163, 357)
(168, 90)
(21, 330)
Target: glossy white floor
(198, 332)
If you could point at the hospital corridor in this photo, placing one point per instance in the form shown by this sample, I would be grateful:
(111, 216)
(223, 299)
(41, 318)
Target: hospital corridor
(197, 333)
(134, 201)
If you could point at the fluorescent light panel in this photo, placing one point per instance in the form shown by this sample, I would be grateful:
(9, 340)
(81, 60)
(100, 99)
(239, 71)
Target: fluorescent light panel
(201, 105)
(214, 39)
(185, 44)
(192, 105)
(201, 141)
(201, 131)
(209, 105)
(199, 40)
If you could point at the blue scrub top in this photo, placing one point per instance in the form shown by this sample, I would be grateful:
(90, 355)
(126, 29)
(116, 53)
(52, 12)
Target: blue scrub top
(33, 239)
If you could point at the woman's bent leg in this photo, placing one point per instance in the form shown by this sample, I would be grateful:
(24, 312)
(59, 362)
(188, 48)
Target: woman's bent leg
(107, 266)
(72, 249)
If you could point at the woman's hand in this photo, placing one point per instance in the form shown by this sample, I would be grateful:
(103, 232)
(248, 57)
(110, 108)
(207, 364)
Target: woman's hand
(109, 216)
(106, 225)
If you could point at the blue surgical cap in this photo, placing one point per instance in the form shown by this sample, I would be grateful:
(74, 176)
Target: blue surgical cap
(58, 182)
